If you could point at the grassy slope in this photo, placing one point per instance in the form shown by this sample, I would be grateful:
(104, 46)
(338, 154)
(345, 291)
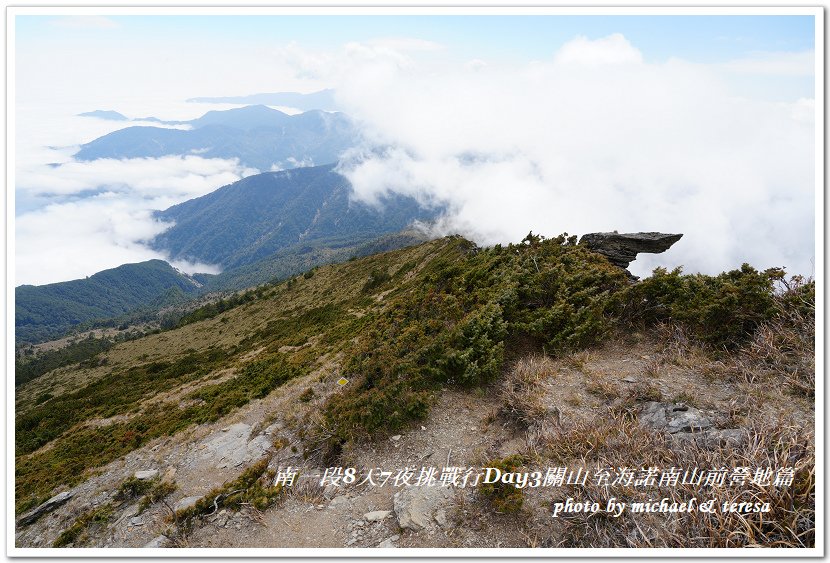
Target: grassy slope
(330, 304)
(405, 323)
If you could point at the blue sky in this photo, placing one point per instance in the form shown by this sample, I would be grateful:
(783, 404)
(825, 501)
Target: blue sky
(696, 38)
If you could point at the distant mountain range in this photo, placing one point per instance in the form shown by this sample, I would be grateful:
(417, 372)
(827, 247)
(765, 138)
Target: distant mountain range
(260, 137)
(257, 216)
(324, 99)
(47, 311)
(105, 114)
(264, 227)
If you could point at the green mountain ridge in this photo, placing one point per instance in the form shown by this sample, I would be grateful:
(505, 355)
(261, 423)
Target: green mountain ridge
(46, 311)
(259, 215)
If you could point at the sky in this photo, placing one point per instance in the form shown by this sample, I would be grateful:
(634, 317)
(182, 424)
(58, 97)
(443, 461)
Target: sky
(703, 125)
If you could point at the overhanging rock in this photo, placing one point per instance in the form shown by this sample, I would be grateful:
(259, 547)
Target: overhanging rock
(622, 248)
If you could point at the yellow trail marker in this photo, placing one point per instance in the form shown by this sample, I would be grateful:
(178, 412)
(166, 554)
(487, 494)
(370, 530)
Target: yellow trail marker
(342, 381)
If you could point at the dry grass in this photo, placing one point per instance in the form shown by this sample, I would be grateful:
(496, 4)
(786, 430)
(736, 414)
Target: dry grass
(780, 352)
(522, 391)
(598, 384)
(760, 388)
(616, 441)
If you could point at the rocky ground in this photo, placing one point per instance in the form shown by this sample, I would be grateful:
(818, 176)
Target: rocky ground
(669, 393)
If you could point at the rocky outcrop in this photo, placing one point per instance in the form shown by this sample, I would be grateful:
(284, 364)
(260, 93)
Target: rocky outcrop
(158, 541)
(687, 424)
(415, 506)
(673, 418)
(146, 474)
(47, 506)
(622, 248)
(185, 503)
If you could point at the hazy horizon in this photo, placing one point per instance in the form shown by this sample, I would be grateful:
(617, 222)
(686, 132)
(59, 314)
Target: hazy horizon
(703, 125)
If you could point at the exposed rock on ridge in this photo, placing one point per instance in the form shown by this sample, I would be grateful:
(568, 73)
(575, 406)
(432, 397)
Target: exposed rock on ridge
(622, 248)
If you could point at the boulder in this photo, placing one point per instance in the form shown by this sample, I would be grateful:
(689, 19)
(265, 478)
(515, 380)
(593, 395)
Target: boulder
(185, 503)
(377, 515)
(622, 248)
(415, 506)
(673, 418)
(713, 438)
(147, 474)
(47, 506)
(389, 542)
(158, 541)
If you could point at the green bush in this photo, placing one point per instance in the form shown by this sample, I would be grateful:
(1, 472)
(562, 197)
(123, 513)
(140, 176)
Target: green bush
(454, 326)
(77, 533)
(133, 488)
(476, 351)
(252, 487)
(504, 497)
(722, 311)
(376, 279)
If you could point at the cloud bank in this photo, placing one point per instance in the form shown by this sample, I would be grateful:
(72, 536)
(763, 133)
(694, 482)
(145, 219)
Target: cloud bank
(98, 214)
(593, 139)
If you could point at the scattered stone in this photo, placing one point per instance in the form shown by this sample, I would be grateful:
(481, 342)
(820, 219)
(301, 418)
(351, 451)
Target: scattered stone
(622, 248)
(673, 418)
(377, 515)
(415, 506)
(136, 521)
(158, 541)
(185, 503)
(338, 500)
(47, 506)
(441, 518)
(511, 447)
(630, 379)
(388, 541)
(147, 474)
(713, 438)
(395, 438)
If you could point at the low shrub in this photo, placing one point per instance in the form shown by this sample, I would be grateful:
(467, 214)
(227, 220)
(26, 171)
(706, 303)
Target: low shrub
(504, 497)
(77, 534)
(253, 486)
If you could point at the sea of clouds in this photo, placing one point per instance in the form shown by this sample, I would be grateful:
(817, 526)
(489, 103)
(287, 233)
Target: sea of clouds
(593, 138)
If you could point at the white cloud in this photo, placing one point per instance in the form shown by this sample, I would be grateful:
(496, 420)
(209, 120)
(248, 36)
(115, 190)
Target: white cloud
(76, 239)
(171, 176)
(582, 144)
(614, 49)
(774, 64)
(78, 233)
(85, 22)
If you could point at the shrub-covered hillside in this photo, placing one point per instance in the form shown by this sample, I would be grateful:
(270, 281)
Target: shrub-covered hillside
(401, 327)
(550, 296)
